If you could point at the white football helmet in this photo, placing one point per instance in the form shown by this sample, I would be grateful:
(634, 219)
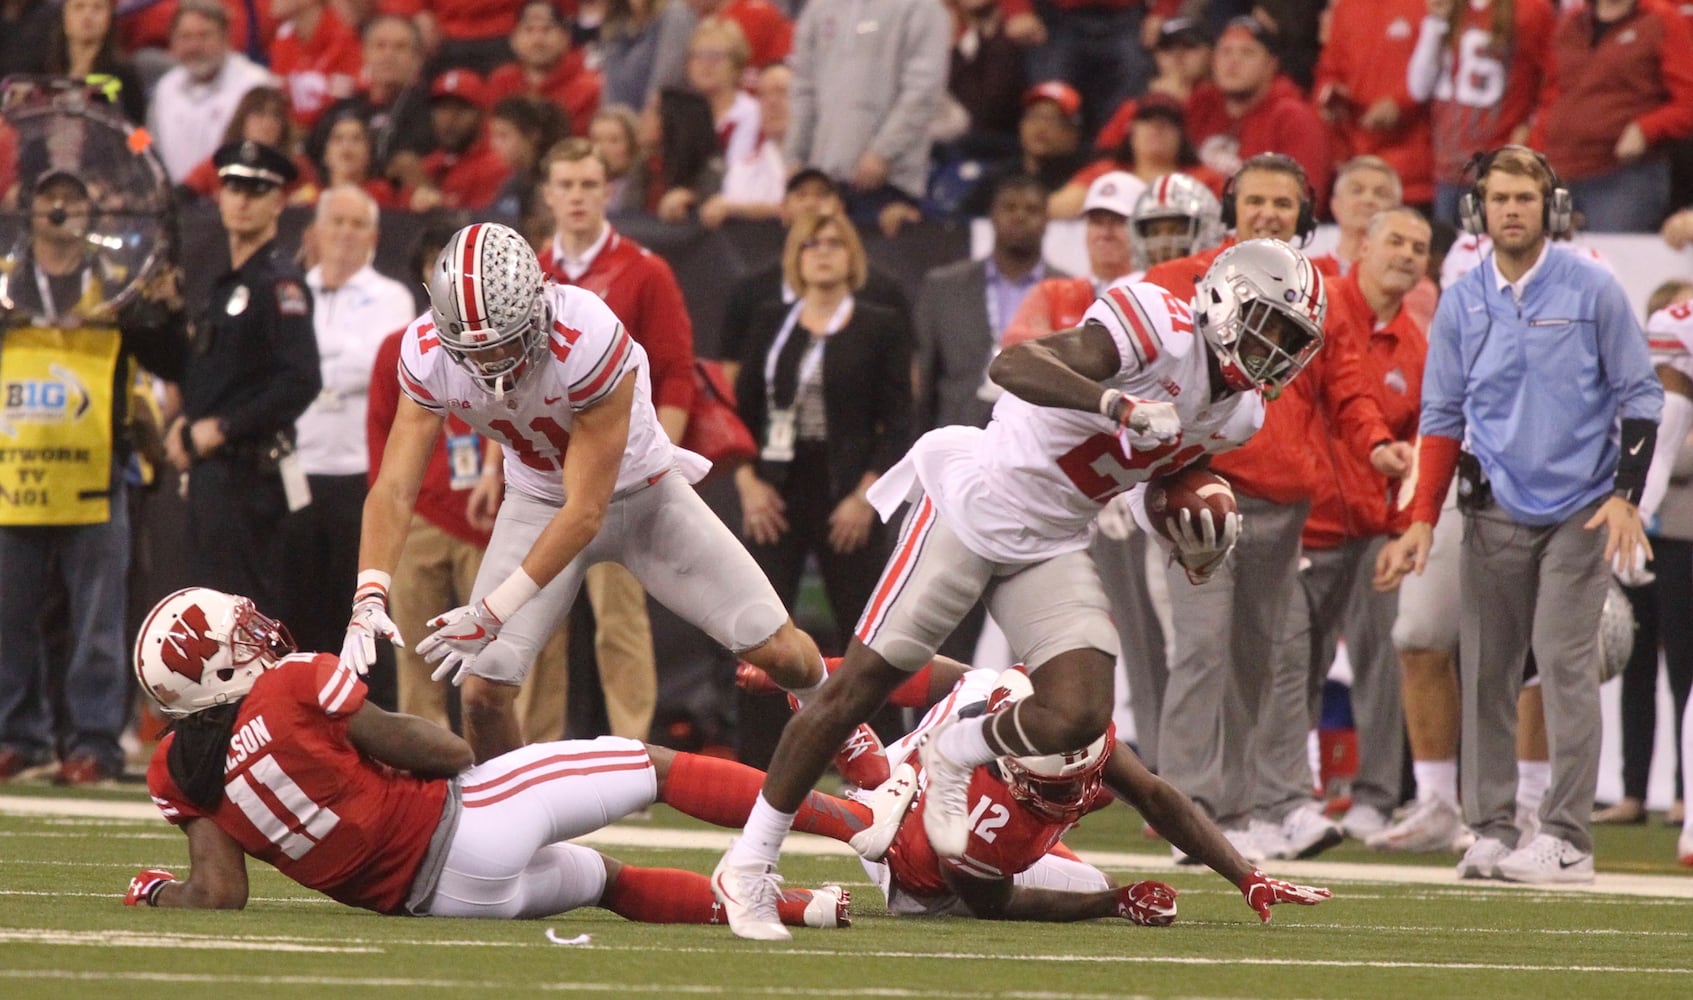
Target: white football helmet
(485, 297)
(200, 648)
(1260, 308)
(1181, 197)
(1058, 786)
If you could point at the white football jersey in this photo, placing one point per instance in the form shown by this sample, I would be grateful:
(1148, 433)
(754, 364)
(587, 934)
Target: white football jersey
(1029, 485)
(1669, 334)
(591, 353)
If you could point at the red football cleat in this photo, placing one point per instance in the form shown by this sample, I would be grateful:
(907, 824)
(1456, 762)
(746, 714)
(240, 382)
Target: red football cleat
(753, 680)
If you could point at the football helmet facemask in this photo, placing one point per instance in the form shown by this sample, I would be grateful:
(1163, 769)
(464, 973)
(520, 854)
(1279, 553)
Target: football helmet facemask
(200, 648)
(1260, 308)
(485, 298)
(1181, 198)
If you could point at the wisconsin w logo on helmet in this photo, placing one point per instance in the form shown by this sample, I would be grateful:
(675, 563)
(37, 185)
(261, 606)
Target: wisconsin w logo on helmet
(189, 644)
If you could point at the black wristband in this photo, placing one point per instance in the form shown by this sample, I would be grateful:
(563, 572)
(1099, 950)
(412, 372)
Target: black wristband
(1639, 437)
(187, 437)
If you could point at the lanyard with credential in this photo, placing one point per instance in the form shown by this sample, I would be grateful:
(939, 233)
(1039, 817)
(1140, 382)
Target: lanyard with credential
(779, 439)
(49, 308)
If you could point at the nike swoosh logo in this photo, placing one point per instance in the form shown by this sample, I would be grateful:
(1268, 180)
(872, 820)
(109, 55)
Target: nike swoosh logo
(1476, 309)
(550, 400)
(479, 633)
(1637, 446)
(1569, 864)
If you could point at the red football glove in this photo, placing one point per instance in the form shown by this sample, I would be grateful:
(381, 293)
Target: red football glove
(1263, 892)
(1149, 904)
(144, 887)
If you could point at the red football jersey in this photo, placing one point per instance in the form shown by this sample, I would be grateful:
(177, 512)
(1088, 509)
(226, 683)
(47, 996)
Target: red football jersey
(300, 797)
(1484, 90)
(1006, 837)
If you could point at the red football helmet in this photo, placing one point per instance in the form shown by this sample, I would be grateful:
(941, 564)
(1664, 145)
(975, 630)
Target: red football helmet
(1058, 786)
(200, 648)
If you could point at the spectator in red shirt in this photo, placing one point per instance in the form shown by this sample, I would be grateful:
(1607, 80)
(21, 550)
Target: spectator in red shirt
(547, 67)
(1361, 90)
(1094, 45)
(1480, 64)
(769, 33)
(346, 154)
(1154, 144)
(463, 171)
(467, 34)
(1621, 84)
(1250, 108)
(1182, 55)
(316, 54)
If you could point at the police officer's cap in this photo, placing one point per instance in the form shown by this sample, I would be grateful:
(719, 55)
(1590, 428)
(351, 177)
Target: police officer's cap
(255, 163)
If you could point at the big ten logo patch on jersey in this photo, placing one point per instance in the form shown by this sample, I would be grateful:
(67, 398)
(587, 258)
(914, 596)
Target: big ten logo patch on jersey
(56, 425)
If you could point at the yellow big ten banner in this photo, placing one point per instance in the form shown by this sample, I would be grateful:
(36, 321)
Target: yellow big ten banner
(56, 425)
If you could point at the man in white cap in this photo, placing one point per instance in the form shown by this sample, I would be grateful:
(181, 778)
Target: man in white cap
(1058, 303)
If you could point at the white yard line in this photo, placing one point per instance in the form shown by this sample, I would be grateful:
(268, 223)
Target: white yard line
(632, 835)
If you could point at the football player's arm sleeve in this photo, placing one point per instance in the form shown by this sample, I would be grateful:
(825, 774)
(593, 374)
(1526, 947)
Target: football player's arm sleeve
(408, 742)
(217, 872)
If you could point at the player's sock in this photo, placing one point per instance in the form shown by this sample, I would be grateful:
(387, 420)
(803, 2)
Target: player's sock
(1533, 778)
(661, 896)
(828, 816)
(760, 842)
(913, 692)
(718, 791)
(966, 743)
(1436, 779)
(801, 694)
(791, 904)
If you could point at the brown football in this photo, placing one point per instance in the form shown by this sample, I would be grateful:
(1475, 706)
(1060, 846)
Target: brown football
(1192, 489)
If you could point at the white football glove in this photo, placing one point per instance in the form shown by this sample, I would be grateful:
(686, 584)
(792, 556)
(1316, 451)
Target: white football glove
(1141, 423)
(1200, 547)
(370, 619)
(459, 635)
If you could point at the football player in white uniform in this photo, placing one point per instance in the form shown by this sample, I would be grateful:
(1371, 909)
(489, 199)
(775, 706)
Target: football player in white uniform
(1145, 386)
(549, 373)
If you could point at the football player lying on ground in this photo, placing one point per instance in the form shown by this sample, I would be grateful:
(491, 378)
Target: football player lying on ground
(277, 755)
(1014, 866)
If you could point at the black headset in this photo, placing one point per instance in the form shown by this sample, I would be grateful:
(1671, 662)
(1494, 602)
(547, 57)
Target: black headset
(1556, 210)
(1279, 163)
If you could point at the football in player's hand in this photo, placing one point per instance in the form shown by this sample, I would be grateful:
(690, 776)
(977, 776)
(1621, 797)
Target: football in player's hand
(1190, 489)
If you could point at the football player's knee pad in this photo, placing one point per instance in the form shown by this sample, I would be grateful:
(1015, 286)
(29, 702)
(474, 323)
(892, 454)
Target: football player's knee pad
(754, 625)
(502, 662)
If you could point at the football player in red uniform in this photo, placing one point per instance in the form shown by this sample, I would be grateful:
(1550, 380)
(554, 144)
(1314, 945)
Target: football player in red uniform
(1015, 866)
(277, 755)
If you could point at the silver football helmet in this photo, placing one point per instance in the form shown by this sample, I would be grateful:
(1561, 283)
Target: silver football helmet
(200, 648)
(485, 297)
(1260, 308)
(1179, 197)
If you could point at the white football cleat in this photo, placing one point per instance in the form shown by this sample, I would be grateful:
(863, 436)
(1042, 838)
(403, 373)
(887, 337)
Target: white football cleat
(1483, 857)
(1547, 860)
(1308, 832)
(830, 906)
(1242, 840)
(1432, 824)
(748, 894)
(1362, 821)
(888, 804)
(946, 797)
(1684, 848)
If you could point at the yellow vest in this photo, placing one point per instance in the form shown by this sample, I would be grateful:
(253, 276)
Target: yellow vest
(56, 425)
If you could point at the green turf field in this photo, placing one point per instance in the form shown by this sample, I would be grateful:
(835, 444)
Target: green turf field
(1396, 928)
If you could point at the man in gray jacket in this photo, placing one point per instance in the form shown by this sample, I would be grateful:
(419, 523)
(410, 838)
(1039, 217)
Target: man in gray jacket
(868, 80)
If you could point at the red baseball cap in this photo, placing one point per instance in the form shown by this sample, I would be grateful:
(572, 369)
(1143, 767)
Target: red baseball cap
(1059, 93)
(462, 84)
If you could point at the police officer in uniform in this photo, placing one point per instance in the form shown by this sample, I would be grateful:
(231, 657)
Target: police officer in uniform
(252, 369)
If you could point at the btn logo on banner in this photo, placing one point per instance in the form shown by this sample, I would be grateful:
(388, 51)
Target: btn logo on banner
(56, 425)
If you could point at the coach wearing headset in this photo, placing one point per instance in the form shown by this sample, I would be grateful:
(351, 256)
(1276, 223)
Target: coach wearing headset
(1225, 693)
(1534, 357)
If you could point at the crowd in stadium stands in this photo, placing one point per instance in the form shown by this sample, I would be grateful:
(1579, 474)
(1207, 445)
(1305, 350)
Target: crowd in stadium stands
(1162, 124)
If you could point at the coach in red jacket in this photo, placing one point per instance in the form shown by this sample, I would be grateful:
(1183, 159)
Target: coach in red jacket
(1353, 511)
